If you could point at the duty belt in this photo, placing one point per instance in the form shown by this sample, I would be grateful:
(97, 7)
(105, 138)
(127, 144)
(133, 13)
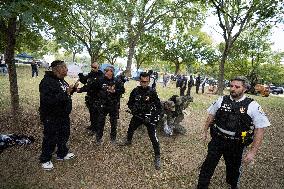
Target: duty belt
(225, 131)
(225, 134)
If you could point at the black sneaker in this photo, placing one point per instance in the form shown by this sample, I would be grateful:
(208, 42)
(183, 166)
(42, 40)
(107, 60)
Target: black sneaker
(99, 142)
(125, 143)
(89, 128)
(91, 133)
(113, 141)
(157, 162)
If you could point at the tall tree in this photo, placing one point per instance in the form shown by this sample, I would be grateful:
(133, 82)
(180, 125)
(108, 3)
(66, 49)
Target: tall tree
(141, 17)
(186, 45)
(147, 50)
(114, 50)
(251, 52)
(16, 15)
(235, 16)
(91, 24)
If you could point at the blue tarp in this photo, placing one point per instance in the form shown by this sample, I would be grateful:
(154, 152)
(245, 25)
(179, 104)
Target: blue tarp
(23, 55)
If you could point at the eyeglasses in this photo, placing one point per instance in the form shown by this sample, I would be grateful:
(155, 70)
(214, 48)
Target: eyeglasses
(109, 70)
(95, 67)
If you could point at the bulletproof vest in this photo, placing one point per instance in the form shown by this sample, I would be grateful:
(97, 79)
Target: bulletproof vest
(232, 115)
(144, 103)
(104, 96)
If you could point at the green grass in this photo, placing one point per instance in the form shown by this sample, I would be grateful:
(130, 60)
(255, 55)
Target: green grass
(112, 167)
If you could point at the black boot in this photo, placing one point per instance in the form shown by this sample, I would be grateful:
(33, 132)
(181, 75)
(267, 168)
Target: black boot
(113, 140)
(99, 141)
(125, 143)
(157, 162)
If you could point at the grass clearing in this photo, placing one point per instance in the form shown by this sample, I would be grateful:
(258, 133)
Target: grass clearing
(111, 166)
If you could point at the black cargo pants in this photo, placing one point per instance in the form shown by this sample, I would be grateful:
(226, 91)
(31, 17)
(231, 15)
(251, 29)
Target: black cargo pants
(232, 151)
(135, 123)
(112, 111)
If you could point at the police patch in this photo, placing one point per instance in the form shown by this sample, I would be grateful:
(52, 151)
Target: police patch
(242, 110)
(147, 98)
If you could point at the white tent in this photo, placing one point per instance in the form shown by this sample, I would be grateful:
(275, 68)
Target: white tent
(74, 69)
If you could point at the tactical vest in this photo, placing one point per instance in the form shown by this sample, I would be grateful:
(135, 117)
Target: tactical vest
(105, 97)
(144, 101)
(232, 116)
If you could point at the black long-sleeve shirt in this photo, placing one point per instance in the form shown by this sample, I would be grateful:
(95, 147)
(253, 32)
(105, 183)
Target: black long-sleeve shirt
(54, 100)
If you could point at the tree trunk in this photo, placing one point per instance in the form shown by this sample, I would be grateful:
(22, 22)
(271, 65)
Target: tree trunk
(131, 46)
(222, 68)
(92, 58)
(177, 64)
(9, 59)
(73, 56)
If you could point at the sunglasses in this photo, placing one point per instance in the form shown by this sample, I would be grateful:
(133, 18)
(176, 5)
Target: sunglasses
(95, 67)
(144, 81)
(236, 86)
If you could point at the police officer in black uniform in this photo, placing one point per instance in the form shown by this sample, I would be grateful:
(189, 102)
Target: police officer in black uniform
(235, 121)
(183, 83)
(108, 90)
(91, 96)
(189, 85)
(145, 107)
(197, 83)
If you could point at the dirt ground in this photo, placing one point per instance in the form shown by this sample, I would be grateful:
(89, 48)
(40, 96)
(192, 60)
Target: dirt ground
(111, 166)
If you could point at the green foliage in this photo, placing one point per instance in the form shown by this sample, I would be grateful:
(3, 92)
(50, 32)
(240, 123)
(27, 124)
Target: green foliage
(235, 16)
(191, 46)
(32, 17)
(115, 49)
(88, 24)
(252, 56)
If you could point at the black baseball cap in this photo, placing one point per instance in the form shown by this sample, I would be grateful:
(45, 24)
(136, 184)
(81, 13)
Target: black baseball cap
(56, 63)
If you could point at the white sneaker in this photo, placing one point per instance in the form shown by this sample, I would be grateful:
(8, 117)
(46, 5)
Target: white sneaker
(47, 165)
(68, 156)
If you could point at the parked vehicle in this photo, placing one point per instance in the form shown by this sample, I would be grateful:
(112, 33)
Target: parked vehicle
(276, 90)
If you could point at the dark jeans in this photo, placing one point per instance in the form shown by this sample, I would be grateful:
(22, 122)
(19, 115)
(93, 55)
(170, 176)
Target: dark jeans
(56, 132)
(188, 90)
(182, 90)
(197, 88)
(203, 88)
(134, 124)
(232, 152)
(34, 73)
(113, 116)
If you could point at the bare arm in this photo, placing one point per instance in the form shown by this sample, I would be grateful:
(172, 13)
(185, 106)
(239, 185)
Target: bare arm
(258, 137)
(209, 121)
